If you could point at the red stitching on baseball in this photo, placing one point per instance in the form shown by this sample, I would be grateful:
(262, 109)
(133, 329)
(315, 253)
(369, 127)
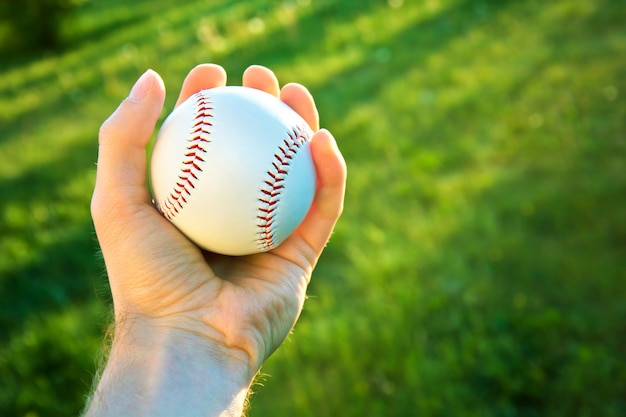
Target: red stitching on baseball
(192, 165)
(274, 184)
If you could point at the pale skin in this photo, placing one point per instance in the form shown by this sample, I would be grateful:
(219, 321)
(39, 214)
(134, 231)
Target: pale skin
(192, 328)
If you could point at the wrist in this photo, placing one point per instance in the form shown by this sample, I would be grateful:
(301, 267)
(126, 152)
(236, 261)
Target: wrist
(182, 337)
(170, 371)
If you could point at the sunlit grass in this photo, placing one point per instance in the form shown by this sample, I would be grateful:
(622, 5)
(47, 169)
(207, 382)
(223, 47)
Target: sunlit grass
(478, 267)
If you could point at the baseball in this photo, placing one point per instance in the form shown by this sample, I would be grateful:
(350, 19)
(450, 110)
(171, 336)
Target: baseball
(231, 168)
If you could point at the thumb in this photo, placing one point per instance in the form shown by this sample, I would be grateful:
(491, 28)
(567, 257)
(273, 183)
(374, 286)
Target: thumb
(121, 173)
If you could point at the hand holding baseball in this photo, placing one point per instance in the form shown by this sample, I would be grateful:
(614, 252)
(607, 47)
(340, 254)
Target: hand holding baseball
(186, 319)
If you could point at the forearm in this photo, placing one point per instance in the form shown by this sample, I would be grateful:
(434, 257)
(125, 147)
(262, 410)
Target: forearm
(169, 372)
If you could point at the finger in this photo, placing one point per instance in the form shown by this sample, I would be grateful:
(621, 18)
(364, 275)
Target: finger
(122, 141)
(300, 99)
(202, 77)
(261, 78)
(328, 201)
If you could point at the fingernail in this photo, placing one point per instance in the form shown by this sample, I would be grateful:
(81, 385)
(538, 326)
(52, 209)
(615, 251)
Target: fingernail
(142, 86)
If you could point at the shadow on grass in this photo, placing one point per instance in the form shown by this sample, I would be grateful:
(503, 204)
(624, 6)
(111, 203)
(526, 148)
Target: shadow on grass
(54, 274)
(525, 302)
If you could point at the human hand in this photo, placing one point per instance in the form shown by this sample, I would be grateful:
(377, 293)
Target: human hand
(166, 289)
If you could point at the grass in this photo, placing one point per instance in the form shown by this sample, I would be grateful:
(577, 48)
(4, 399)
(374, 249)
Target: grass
(478, 269)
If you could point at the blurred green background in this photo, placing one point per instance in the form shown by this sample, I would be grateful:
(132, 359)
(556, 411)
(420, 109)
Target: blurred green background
(480, 266)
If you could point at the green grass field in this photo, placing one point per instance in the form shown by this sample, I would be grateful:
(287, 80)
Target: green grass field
(480, 266)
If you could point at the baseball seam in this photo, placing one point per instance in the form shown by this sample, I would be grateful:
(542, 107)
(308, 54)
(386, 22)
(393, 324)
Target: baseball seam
(273, 186)
(199, 136)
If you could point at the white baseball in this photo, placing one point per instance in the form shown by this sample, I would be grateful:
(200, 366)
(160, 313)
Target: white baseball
(231, 168)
